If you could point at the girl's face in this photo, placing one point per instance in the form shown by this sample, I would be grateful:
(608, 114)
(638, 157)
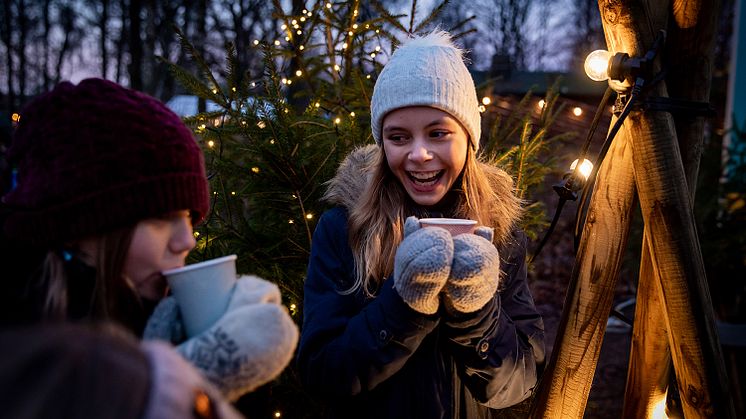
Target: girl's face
(158, 244)
(426, 150)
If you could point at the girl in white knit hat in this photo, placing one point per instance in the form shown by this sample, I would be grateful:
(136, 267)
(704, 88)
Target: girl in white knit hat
(404, 321)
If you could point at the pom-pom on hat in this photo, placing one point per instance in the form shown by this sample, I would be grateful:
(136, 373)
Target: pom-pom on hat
(95, 157)
(427, 71)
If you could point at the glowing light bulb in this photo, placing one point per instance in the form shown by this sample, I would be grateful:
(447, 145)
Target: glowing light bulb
(577, 111)
(585, 168)
(298, 73)
(486, 100)
(542, 103)
(597, 65)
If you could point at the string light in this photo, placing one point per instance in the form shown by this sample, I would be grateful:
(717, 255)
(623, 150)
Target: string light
(352, 114)
(256, 42)
(299, 32)
(577, 111)
(284, 26)
(278, 414)
(233, 193)
(277, 42)
(585, 168)
(291, 222)
(261, 124)
(301, 47)
(337, 120)
(542, 103)
(317, 104)
(328, 5)
(354, 26)
(482, 108)
(336, 67)
(255, 169)
(309, 216)
(298, 73)
(210, 143)
(486, 100)
(596, 65)
(196, 234)
(287, 38)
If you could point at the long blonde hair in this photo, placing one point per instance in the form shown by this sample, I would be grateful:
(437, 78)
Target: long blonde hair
(376, 219)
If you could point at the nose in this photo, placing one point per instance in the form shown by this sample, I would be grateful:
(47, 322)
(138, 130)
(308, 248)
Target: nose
(420, 151)
(182, 236)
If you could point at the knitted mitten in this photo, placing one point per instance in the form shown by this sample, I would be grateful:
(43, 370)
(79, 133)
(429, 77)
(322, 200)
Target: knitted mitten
(177, 390)
(421, 266)
(475, 271)
(247, 347)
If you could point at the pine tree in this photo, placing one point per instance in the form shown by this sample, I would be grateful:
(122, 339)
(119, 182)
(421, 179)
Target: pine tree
(278, 136)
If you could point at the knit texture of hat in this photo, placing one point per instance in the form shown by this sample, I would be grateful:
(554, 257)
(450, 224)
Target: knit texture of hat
(97, 156)
(427, 71)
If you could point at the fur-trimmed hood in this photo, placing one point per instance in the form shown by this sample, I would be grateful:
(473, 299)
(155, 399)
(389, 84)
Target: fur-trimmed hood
(355, 170)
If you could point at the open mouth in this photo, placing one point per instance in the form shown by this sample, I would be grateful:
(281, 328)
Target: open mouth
(425, 178)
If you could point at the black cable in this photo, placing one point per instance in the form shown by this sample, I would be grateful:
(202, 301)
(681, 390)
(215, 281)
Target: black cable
(584, 199)
(568, 187)
(544, 240)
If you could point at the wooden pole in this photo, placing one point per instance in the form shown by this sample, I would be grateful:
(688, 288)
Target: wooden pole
(671, 235)
(564, 388)
(691, 36)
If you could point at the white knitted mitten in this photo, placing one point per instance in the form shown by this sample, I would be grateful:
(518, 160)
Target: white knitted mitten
(247, 347)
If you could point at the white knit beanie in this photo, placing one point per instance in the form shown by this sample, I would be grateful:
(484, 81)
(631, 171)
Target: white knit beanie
(427, 71)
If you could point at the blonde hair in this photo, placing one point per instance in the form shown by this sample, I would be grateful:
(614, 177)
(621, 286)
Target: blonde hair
(376, 220)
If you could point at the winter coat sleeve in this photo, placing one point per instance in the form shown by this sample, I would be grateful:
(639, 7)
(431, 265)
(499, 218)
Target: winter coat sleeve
(350, 345)
(498, 348)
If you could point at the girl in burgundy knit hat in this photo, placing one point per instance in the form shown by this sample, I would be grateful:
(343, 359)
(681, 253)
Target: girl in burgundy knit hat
(108, 185)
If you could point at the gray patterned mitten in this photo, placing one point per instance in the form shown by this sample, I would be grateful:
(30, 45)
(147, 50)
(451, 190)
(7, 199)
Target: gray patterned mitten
(177, 389)
(475, 272)
(421, 266)
(250, 345)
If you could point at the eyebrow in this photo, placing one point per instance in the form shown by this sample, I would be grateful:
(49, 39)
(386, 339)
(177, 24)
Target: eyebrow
(438, 121)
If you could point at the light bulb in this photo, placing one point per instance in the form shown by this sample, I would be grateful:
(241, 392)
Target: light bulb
(597, 65)
(585, 168)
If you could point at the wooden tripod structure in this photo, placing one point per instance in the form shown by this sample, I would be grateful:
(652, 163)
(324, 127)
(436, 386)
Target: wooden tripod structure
(655, 156)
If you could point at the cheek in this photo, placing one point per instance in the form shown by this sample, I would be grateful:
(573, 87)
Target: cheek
(143, 256)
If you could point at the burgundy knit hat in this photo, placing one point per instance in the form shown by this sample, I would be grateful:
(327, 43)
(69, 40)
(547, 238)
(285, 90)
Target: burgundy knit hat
(97, 156)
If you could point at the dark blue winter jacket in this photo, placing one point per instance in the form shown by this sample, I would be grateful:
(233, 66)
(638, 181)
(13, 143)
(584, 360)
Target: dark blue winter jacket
(378, 358)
